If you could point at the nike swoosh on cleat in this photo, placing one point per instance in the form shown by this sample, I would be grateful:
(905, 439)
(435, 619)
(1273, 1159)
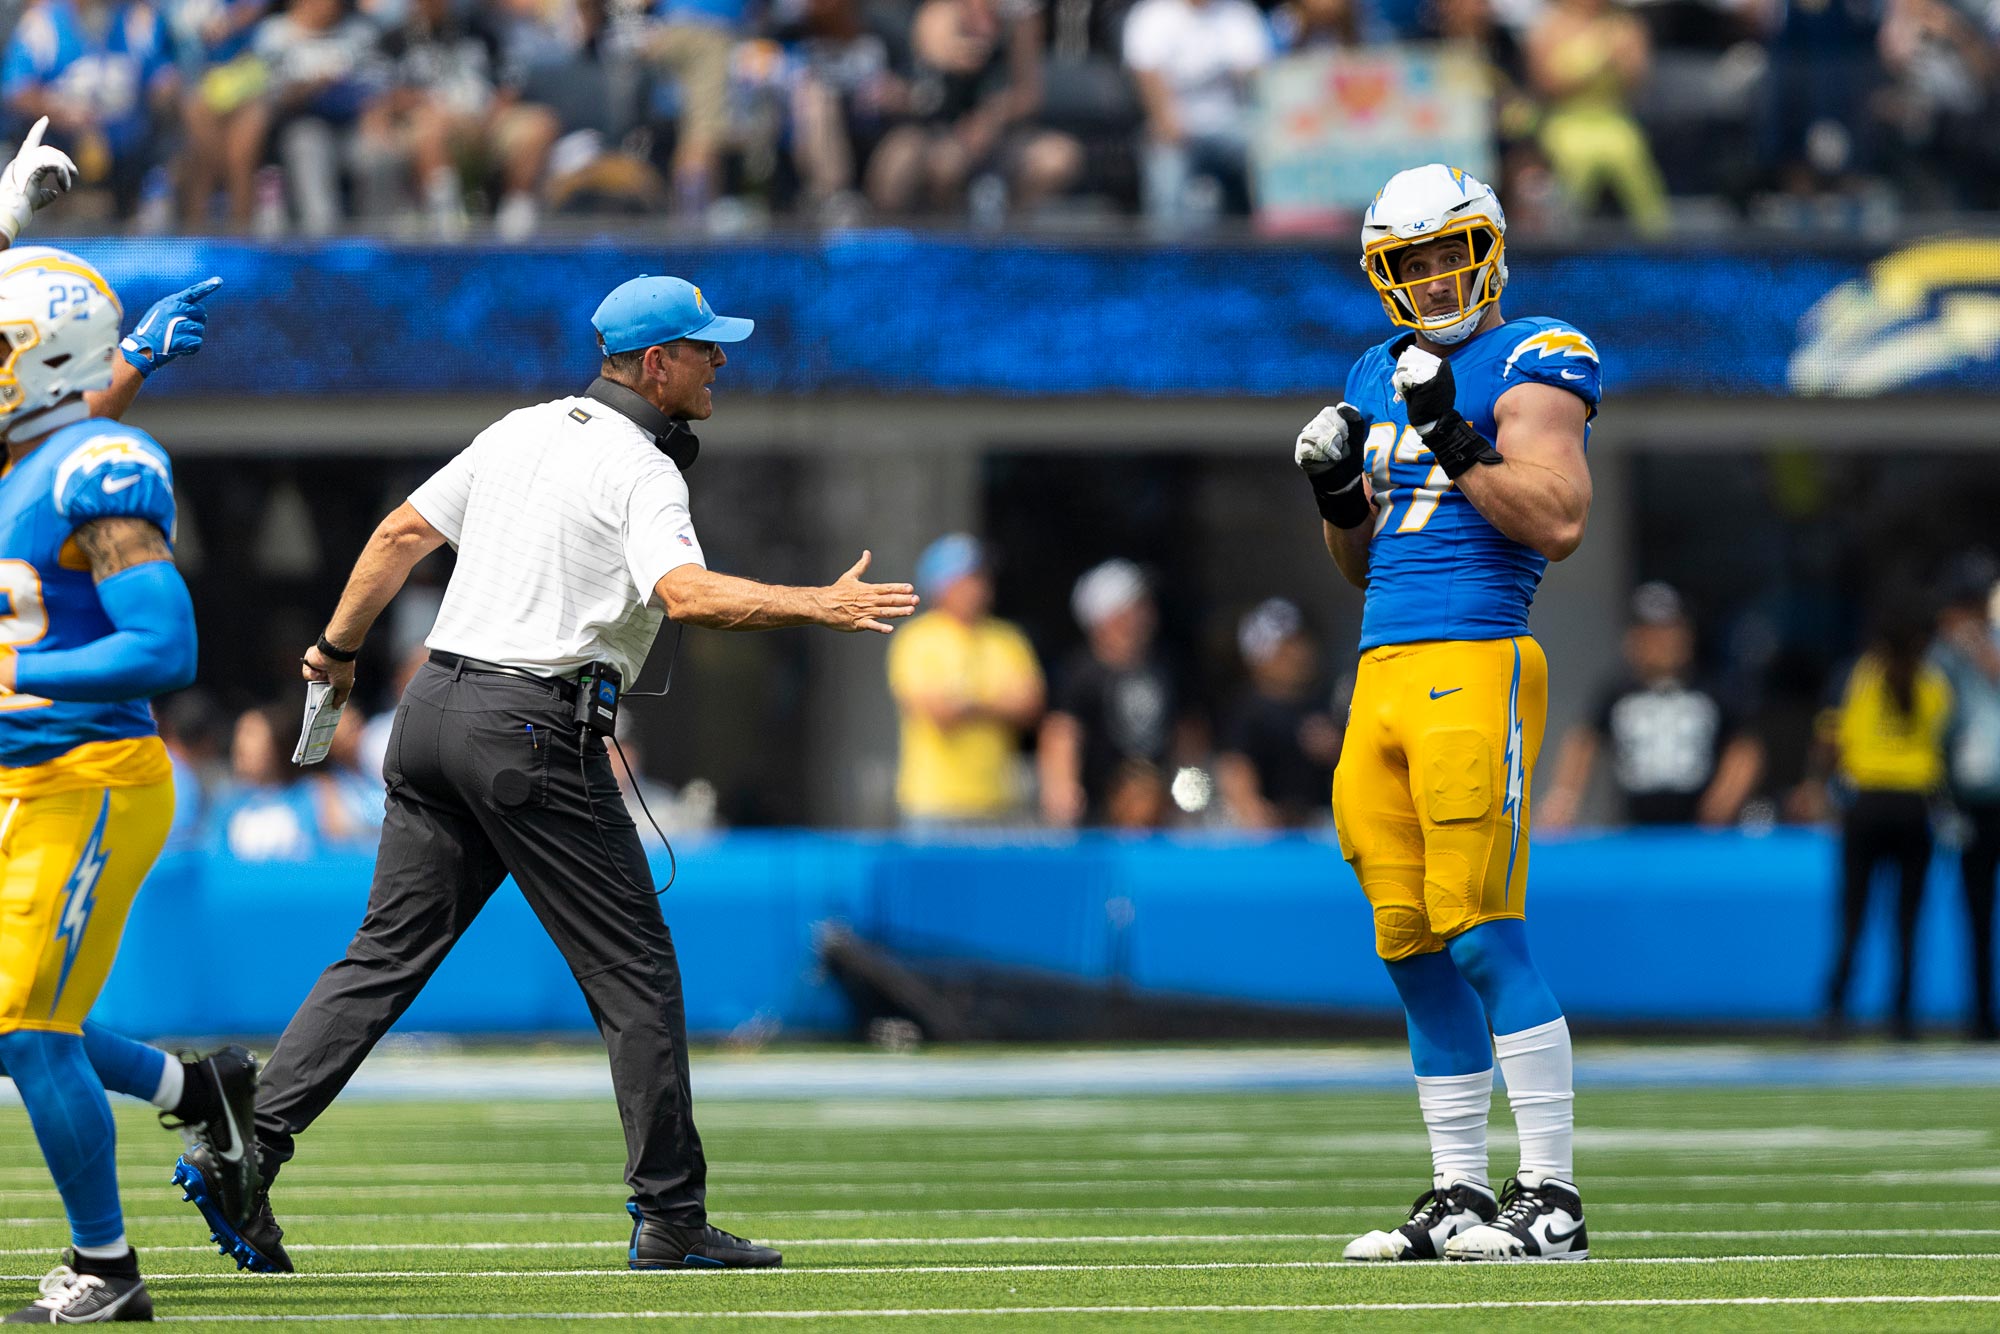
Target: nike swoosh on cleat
(117, 484)
(234, 1154)
(1440, 694)
(1561, 1238)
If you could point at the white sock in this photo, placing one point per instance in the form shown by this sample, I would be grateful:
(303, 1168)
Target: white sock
(1455, 1108)
(115, 1250)
(173, 1082)
(1535, 1062)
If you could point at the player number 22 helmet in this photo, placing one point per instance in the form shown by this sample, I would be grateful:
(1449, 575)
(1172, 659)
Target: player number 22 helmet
(1419, 206)
(58, 330)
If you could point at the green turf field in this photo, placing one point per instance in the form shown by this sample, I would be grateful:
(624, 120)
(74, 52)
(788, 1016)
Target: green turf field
(1710, 1210)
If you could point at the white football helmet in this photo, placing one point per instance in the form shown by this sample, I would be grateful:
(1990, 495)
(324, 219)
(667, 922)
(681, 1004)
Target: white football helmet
(1417, 207)
(58, 330)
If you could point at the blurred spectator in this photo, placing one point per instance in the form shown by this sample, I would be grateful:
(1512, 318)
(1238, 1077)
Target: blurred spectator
(226, 115)
(1524, 178)
(1281, 742)
(264, 816)
(1586, 60)
(1679, 754)
(446, 106)
(193, 726)
(1825, 70)
(849, 91)
(594, 88)
(692, 43)
(273, 813)
(1887, 735)
(325, 71)
(1110, 735)
(1312, 25)
(975, 89)
(1193, 60)
(1940, 104)
(104, 75)
(968, 688)
(1968, 653)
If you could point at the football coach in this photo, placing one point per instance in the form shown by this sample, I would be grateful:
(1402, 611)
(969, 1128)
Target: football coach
(574, 540)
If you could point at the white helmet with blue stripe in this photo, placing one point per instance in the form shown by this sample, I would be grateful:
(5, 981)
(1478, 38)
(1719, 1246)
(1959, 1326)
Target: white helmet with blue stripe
(1420, 206)
(58, 330)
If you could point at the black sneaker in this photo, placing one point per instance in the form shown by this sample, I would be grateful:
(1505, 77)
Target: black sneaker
(657, 1246)
(1439, 1214)
(249, 1235)
(70, 1298)
(217, 1115)
(1540, 1219)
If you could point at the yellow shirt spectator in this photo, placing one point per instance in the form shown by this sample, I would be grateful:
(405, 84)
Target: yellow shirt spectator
(1884, 748)
(965, 690)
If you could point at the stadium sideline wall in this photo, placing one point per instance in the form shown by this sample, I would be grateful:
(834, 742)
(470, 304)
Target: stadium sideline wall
(1685, 928)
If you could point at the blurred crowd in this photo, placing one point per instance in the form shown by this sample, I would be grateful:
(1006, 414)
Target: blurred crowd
(435, 116)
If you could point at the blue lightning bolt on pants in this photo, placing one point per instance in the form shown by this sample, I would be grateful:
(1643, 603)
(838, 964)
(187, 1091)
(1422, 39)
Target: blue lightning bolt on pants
(70, 863)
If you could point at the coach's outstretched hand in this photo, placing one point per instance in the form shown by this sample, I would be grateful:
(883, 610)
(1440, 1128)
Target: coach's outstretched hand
(172, 327)
(852, 605)
(32, 181)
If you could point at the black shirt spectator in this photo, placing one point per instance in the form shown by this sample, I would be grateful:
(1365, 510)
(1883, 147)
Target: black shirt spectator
(1679, 754)
(1280, 740)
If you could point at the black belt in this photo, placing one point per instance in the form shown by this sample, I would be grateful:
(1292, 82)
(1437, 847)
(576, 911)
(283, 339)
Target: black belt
(457, 662)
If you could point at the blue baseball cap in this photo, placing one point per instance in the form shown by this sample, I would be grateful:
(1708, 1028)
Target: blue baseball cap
(948, 560)
(649, 310)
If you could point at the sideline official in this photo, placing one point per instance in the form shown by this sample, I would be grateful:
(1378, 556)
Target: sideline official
(574, 539)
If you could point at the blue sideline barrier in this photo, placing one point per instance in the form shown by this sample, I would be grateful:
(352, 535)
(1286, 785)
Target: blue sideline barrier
(1678, 927)
(862, 313)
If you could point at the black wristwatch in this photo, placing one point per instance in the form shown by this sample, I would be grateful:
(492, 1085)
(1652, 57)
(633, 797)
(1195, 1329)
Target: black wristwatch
(332, 653)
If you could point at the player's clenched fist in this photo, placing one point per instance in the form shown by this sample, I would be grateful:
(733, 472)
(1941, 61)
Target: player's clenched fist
(1329, 452)
(1424, 382)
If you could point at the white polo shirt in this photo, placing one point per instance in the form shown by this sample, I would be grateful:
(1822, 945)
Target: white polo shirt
(564, 516)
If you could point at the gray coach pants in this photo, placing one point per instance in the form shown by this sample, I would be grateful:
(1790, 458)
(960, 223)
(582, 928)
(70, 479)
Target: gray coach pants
(454, 830)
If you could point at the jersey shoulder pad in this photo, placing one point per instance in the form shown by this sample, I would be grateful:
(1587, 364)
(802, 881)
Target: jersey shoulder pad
(1551, 352)
(115, 472)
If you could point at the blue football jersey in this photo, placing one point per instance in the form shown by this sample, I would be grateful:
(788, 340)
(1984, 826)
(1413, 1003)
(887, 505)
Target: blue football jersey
(48, 600)
(1436, 568)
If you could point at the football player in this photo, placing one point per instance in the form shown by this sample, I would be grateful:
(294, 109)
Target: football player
(1447, 480)
(94, 620)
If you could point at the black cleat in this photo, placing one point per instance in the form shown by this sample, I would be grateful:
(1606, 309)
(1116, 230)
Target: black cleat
(1541, 1218)
(1440, 1213)
(657, 1246)
(69, 1298)
(250, 1236)
(221, 1108)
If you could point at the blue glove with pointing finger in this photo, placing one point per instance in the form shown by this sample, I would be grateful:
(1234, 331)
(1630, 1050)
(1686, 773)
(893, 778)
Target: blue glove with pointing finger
(173, 327)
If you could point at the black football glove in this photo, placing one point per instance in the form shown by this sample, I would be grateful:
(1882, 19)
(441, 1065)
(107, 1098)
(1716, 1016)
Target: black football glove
(1330, 451)
(1424, 382)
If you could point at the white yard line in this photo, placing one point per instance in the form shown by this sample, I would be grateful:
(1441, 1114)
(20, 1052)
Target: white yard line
(1132, 1239)
(963, 1312)
(853, 1271)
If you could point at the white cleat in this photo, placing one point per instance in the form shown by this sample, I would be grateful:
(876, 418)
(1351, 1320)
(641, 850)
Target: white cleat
(1440, 1213)
(1540, 1219)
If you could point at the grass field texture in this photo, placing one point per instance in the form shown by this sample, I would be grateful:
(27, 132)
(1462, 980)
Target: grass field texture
(1748, 1209)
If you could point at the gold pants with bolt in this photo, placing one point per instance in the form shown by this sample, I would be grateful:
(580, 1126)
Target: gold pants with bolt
(1431, 795)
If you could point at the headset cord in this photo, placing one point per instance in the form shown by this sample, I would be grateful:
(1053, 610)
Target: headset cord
(589, 800)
